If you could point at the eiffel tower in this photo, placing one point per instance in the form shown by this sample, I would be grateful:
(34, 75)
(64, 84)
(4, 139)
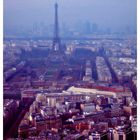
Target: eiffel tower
(56, 54)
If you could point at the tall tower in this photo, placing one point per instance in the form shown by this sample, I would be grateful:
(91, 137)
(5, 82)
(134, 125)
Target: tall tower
(56, 54)
(56, 40)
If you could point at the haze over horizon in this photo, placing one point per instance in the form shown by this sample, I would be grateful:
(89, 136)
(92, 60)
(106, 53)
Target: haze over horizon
(114, 14)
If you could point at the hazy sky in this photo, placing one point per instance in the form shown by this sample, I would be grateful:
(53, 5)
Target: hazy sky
(106, 13)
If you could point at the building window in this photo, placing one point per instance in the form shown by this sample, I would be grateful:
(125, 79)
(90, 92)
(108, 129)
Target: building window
(120, 137)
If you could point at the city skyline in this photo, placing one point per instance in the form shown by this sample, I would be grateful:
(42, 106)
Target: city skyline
(112, 15)
(80, 84)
